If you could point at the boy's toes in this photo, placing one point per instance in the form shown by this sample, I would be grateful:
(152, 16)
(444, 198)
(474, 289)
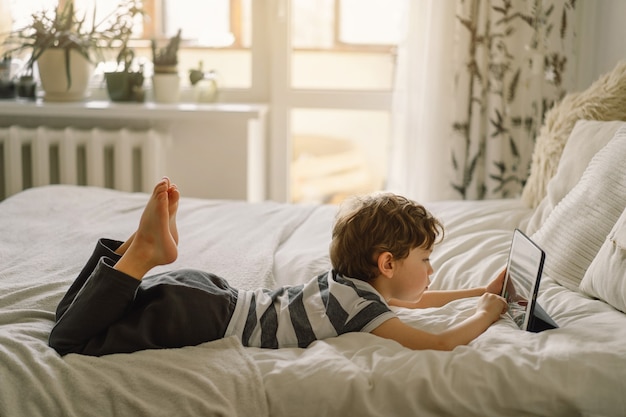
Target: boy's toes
(173, 193)
(160, 187)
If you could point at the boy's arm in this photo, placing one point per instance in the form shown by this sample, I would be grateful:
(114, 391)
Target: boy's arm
(441, 298)
(438, 298)
(490, 306)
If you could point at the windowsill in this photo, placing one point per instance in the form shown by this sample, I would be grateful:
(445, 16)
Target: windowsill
(101, 107)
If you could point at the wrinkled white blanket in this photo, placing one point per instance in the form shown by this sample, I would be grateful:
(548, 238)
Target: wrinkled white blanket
(46, 234)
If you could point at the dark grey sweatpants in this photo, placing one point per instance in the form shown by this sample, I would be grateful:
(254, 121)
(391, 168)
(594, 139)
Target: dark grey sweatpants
(106, 311)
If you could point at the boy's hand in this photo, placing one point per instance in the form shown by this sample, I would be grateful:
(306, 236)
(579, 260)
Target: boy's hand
(492, 305)
(495, 286)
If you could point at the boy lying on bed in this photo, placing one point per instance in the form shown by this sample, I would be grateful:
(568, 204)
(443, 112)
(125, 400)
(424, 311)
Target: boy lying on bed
(380, 255)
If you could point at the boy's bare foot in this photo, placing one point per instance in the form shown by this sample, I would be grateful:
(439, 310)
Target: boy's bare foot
(173, 195)
(153, 243)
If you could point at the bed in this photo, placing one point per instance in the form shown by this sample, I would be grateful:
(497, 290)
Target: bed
(576, 370)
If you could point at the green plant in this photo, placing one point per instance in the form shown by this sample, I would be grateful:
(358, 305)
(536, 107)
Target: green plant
(125, 84)
(167, 56)
(65, 29)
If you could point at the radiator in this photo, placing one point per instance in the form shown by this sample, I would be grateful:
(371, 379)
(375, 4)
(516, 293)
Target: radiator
(123, 159)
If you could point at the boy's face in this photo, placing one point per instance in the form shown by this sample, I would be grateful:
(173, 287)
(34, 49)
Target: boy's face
(411, 278)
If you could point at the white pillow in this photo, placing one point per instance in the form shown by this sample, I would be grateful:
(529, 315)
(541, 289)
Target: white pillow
(606, 277)
(587, 138)
(575, 230)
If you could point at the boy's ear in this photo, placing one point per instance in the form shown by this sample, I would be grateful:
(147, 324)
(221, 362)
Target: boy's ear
(386, 264)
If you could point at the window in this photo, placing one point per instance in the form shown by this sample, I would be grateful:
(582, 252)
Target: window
(320, 24)
(341, 62)
(326, 67)
(345, 24)
(344, 44)
(207, 23)
(218, 33)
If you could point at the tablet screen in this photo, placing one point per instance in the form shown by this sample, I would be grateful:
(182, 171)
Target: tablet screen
(524, 269)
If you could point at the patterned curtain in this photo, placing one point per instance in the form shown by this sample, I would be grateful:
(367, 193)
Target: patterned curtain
(512, 60)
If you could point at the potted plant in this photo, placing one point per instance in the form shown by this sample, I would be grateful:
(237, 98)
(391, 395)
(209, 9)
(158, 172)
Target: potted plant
(125, 84)
(166, 81)
(7, 85)
(65, 46)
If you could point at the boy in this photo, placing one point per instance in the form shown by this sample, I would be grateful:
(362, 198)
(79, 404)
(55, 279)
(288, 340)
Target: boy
(380, 255)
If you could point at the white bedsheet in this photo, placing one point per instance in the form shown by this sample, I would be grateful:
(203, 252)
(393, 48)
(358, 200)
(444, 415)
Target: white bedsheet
(47, 233)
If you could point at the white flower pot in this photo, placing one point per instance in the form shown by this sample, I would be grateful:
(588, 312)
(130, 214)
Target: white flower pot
(166, 88)
(54, 80)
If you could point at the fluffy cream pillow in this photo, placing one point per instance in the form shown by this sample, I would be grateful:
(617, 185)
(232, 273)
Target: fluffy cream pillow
(605, 100)
(575, 230)
(587, 138)
(606, 277)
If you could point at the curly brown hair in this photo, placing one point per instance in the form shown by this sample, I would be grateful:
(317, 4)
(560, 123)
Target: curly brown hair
(369, 225)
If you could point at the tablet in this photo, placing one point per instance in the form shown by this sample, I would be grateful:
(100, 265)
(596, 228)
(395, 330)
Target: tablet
(521, 284)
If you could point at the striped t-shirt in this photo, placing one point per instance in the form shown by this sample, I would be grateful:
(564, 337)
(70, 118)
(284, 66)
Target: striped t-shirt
(326, 306)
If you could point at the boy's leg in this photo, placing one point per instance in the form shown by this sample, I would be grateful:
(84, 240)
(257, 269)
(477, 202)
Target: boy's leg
(103, 300)
(114, 249)
(104, 248)
(92, 305)
(153, 316)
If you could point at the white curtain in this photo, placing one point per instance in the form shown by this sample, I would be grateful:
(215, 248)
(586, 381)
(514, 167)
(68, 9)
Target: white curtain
(421, 123)
(474, 79)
